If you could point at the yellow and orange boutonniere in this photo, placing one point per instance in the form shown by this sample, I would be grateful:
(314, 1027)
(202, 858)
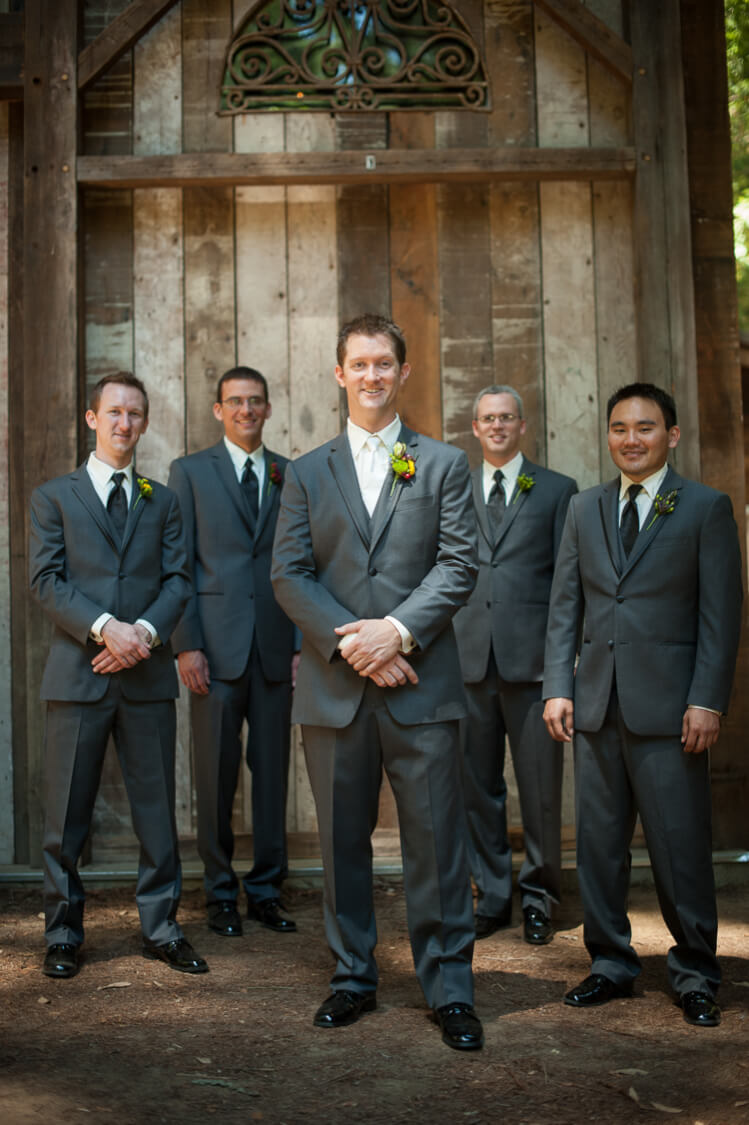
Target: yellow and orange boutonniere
(274, 475)
(402, 464)
(145, 490)
(523, 484)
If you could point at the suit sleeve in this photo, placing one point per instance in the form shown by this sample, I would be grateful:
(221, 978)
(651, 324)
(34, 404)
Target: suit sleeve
(448, 585)
(719, 610)
(565, 616)
(311, 607)
(61, 600)
(188, 634)
(166, 609)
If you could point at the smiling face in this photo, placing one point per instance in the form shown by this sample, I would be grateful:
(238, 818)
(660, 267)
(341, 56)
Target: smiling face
(371, 378)
(243, 411)
(638, 438)
(119, 420)
(499, 428)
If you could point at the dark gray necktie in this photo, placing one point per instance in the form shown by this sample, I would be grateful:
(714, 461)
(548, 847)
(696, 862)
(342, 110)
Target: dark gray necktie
(629, 528)
(496, 502)
(117, 504)
(250, 487)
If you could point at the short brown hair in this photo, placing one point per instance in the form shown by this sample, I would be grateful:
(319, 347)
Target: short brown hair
(370, 324)
(125, 379)
(242, 373)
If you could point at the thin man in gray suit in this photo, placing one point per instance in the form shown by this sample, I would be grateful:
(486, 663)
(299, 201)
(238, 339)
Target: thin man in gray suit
(235, 647)
(520, 509)
(650, 566)
(107, 565)
(375, 550)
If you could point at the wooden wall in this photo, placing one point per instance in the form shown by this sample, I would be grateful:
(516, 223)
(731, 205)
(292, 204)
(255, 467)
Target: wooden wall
(526, 283)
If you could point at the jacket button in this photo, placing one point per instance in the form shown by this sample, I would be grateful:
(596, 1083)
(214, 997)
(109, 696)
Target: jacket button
(610, 644)
(488, 605)
(372, 571)
(620, 599)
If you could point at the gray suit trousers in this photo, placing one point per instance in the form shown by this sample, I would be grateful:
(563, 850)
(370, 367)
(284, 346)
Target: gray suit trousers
(617, 774)
(75, 744)
(497, 708)
(422, 763)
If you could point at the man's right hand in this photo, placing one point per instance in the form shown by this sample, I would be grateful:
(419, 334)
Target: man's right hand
(395, 673)
(194, 671)
(559, 716)
(124, 644)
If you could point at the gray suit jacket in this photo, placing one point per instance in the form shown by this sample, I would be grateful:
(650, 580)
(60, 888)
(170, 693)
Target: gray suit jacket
(667, 619)
(415, 559)
(79, 571)
(508, 608)
(231, 600)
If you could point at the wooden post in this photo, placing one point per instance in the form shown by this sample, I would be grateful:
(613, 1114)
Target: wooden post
(50, 307)
(718, 370)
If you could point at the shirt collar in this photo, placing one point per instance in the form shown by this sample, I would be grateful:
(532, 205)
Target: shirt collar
(511, 471)
(357, 436)
(239, 456)
(102, 473)
(650, 485)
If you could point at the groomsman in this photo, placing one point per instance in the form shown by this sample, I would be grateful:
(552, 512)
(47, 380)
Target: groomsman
(375, 550)
(107, 565)
(235, 648)
(520, 509)
(649, 567)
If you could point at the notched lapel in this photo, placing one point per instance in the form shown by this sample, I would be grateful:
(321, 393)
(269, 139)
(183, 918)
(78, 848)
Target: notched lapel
(516, 502)
(479, 505)
(389, 495)
(608, 504)
(651, 527)
(344, 473)
(86, 493)
(225, 469)
(134, 512)
(270, 495)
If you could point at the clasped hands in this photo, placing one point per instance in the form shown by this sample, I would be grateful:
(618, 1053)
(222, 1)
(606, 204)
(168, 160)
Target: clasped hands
(124, 646)
(372, 648)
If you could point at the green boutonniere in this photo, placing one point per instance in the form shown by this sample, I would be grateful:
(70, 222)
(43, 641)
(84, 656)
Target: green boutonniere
(664, 505)
(402, 464)
(523, 484)
(145, 490)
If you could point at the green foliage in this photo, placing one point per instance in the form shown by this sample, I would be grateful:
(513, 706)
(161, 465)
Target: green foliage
(737, 44)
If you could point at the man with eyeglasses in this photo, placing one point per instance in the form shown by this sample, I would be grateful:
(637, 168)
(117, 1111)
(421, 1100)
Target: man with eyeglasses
(236, 650)
(520, 509)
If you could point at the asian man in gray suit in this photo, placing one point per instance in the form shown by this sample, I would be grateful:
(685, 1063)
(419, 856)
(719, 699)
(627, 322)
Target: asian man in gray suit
(375, 551)
(650, 568)
(108, 566)
(520, 509)
(235, 649)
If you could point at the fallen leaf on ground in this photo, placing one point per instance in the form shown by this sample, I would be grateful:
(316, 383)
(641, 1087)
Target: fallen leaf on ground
(666, 1108)
(115, 984)
(630, 1070)
(632, 1093)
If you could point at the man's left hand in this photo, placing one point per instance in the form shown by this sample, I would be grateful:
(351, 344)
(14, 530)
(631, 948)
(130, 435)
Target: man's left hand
(699, 730)
(375, 642)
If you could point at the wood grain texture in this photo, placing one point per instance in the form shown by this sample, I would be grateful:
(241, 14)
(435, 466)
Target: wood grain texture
(7, 826)
(593, 34)
(107, 105)
(206, 29)
(118, 37)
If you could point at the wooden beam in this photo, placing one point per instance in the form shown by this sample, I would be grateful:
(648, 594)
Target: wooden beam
(11, 56)
(380, 167)
(124, 30)
(591, 33)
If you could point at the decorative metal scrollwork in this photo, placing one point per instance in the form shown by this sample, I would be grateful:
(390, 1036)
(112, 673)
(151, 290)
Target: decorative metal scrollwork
(343, 55)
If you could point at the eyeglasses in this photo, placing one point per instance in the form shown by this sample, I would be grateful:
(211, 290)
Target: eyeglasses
(490, 419)
(253, 401)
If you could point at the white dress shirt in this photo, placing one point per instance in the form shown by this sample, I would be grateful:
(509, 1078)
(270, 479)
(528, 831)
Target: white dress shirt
(101, 476)
(239, 458)
(371, 453)
(511, 472)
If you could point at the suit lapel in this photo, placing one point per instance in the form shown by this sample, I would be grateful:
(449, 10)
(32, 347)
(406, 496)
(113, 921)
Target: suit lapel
(479, 505)
(86, 493)
(515, 503)
(608, 504)
(224, 467)
(342, 467)
(270, 494)
(134, 512)
(652, 526)
(389, 495)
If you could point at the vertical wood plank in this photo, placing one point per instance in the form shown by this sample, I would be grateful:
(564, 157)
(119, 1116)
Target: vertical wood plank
(106, 122)
(206, 29)
(7, 826)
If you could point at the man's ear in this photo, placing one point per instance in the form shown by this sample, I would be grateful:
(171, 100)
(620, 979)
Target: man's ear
(91, 419)
(673, 437)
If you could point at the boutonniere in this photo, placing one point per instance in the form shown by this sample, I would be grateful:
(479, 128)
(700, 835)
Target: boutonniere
(145, 491)
(402, 464)
(523, 484)
(274, 475)
(664, 505)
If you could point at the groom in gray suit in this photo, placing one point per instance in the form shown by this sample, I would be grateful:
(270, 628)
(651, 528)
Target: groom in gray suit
(375, 551)
(107, 563)
(520, 509)
(650, 567)
(235, 648)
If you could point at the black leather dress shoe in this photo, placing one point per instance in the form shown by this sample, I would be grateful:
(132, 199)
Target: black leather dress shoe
(700, 1009)
(344, 1007)
(61, 961)
(223, 918)
(537, 928)
(596, 989)
(460, 1026)
(178, 954)
(487, 924)
(269, 913)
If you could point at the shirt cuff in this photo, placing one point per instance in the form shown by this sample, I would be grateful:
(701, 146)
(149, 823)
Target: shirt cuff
(698, 707)
(95, 630)
(407, 641)
(154, 635)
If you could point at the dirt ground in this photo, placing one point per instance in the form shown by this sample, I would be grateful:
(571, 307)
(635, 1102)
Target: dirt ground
(132, 1041)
